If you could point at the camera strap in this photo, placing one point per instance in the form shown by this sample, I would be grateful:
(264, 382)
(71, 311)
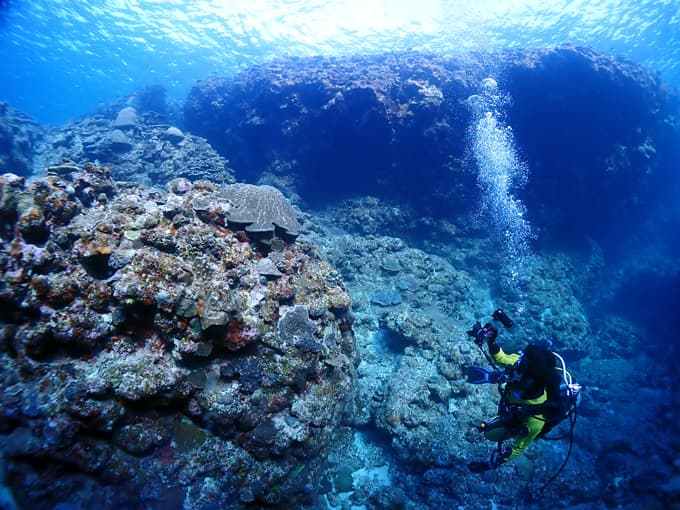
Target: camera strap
(491, 361)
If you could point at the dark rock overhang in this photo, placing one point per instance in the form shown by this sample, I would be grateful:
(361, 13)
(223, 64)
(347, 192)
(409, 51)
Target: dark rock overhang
(598, 133)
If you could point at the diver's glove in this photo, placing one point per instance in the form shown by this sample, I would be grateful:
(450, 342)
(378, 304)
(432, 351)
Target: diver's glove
(487, 334)
(491, 333)
(477, 332)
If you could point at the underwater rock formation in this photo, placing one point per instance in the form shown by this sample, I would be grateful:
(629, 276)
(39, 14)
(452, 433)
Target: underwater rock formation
(135, 148)
(396, 126)
(153, 354)
(368, 125)
(596, 130)
(19, 137)
(413, 403)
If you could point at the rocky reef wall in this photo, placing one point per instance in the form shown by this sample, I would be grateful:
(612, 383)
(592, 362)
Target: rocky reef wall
(396, 126)
(19, 139)
(600, 136)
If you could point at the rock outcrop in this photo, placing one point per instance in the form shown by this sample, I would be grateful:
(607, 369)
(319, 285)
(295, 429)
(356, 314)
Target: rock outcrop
(19, 139)
(153, 354)
(396, 126)
(135, 148)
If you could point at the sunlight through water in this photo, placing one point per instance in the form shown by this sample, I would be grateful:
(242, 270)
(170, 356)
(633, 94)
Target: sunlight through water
(74, 54)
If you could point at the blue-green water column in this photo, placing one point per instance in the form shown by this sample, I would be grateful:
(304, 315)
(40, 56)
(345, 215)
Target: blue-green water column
(500, 173)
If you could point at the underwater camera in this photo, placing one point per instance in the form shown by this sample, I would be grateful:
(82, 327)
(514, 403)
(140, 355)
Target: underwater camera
(489, 332)
(503, 318)
(479, 333)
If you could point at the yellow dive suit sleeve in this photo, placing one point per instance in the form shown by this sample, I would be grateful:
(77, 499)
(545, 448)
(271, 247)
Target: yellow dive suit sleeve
(503, 359)
(534, 424)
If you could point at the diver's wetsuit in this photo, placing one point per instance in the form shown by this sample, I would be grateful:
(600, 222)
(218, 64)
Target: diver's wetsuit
(513, 393)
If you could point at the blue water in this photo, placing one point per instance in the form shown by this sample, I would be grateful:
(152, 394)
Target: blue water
(500, 173)
(61, 58)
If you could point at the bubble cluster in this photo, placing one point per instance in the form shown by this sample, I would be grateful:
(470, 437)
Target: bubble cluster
(499, 173)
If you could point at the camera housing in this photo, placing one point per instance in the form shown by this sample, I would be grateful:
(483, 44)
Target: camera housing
(488, 332)
(481, 337)
(503, 318)
(481, 334)
(478, 333)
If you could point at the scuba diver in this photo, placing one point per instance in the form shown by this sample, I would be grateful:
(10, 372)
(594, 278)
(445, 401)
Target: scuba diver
(536, 391)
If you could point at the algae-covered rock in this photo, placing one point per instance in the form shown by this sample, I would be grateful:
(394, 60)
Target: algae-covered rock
(409, 112)
(171, 346)
(134, 147)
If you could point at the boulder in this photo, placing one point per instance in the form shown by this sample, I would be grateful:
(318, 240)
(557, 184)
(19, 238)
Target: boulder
(126, 118)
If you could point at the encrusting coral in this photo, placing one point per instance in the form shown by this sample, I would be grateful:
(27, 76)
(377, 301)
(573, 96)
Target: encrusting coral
(149, 345)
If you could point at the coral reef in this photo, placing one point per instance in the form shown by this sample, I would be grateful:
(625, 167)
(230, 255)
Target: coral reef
(414, 415)
(185, 345)
(152, 353)
(19, 138)
(261, 208)
(395, 126)
(135, 147)
(560, 98)
(363, 123)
